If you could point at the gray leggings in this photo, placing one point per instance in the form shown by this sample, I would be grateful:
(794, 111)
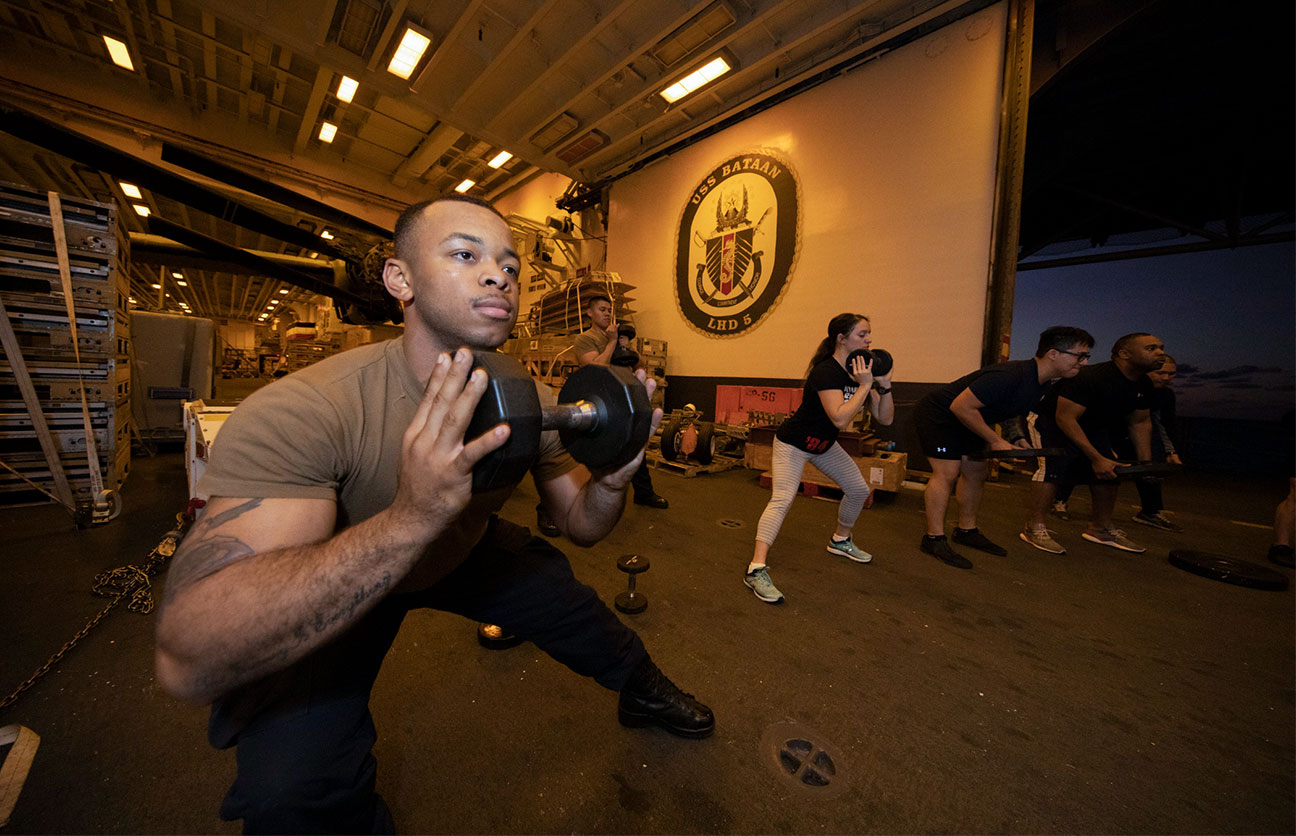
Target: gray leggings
(789, 463)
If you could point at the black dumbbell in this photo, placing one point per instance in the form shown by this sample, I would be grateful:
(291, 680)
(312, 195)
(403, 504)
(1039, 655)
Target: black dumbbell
(883, 362)
(603, 418)
(631, 601)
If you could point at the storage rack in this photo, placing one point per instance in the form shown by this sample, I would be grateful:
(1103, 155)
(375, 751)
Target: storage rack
(32, 293)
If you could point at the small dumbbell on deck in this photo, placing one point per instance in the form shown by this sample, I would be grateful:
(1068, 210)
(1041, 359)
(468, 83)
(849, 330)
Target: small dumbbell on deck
(603, 418)
(631, 601)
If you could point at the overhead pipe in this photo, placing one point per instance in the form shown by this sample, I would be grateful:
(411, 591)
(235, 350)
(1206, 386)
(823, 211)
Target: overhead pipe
(123, 166)
(253, 262)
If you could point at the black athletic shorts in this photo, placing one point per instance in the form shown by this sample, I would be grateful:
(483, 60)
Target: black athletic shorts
(1074, 467)
(942, 436)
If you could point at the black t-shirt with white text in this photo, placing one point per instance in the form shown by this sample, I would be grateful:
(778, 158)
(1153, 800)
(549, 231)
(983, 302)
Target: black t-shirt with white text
(810, 429)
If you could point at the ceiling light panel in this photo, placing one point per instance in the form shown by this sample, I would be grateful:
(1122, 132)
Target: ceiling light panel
(701, 30)
(346, 88)
(409, 52)
(327, 131)
(499, 159)
(697, 79)
(131, 190)
(118, 52)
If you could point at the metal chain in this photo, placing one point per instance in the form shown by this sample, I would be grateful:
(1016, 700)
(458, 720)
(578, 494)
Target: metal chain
(117, 584)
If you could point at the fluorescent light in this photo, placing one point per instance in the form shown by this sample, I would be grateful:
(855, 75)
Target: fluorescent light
(499, 159)
(141, 210)
(696, 79)
(130, 190)
(347, 88)
(409, 53)
(283, 290)
(465, 186)
(131, 299)
(119, 53)
(326, 235)
(157, 287)
(327, 131)
(182, 282)
(176, 275)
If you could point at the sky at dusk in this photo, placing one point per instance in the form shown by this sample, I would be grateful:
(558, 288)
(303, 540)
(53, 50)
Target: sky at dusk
(1227, 316)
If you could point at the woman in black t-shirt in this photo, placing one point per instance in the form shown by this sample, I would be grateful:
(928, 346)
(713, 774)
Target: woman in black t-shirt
(833, 396)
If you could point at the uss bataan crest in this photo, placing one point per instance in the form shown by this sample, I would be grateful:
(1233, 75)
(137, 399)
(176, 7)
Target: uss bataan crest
(737, 243)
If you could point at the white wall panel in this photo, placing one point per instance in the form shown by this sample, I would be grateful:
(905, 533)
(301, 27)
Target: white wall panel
(896, 163)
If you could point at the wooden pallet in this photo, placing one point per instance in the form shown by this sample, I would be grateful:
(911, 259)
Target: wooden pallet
(689, 469)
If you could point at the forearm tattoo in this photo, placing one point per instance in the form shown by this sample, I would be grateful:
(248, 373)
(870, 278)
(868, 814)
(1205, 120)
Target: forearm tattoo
(204, 552)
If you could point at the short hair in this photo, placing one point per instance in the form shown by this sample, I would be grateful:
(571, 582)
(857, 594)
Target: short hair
(1062, 337)
(590, 300)
(1167, 360)
(404, 234)
(1126, 342)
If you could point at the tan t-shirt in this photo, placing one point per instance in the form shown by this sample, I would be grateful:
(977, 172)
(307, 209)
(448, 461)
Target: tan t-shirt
(593, 339)
(333, 430)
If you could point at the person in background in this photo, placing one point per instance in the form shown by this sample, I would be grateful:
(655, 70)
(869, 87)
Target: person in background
(955, 422)
(1084, 415)
(596, 345)
(833, 396)
(1285, 515)
(1162, 413)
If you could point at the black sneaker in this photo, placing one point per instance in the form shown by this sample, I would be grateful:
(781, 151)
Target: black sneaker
(653, 501)
(1282, 555)
(974, 539)
(650, 698)
(939, 548)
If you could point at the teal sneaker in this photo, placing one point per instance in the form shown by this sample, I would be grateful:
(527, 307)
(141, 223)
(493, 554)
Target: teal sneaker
(847, 548)
(760, 584)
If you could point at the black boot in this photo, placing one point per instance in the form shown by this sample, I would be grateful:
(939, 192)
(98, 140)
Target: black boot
(649, 697)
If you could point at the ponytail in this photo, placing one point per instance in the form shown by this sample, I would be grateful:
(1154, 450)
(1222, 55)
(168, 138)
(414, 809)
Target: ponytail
(840, 324)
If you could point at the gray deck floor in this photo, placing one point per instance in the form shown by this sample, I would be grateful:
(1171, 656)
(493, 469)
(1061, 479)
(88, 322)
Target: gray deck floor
(1096, 692)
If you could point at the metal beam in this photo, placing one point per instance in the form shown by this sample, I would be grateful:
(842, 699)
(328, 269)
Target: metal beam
(1154, 252)
(996, 335)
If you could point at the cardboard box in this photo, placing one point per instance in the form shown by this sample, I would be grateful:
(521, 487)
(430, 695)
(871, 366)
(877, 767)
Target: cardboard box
(884, 472)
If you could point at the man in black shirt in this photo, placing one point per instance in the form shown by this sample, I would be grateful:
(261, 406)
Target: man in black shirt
(1085, 415)
(956, 421)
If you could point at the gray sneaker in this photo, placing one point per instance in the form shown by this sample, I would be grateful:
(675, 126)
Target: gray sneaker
(1114, 538)
(760, 584)
(1157, 520)
(1042, 539)
(847, 548)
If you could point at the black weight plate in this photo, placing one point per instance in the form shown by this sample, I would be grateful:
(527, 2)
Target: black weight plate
(1219, 567)
(511, 398)
(1019, 453)
(625, 416)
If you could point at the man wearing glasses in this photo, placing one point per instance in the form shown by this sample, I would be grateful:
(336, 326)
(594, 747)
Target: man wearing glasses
(1084, 415)
(955, 422)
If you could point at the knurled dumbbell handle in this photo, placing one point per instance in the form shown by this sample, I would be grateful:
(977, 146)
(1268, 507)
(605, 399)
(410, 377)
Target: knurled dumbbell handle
(581, 416)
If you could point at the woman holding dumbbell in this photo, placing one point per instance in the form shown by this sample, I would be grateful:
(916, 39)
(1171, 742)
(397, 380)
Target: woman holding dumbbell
(838, 384)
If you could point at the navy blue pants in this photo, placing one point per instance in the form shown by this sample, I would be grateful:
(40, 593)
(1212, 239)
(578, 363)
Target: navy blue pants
(304, 735)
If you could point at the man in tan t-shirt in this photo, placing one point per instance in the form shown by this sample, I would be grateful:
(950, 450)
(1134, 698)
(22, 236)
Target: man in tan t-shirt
(596, 345)
(341, 498)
